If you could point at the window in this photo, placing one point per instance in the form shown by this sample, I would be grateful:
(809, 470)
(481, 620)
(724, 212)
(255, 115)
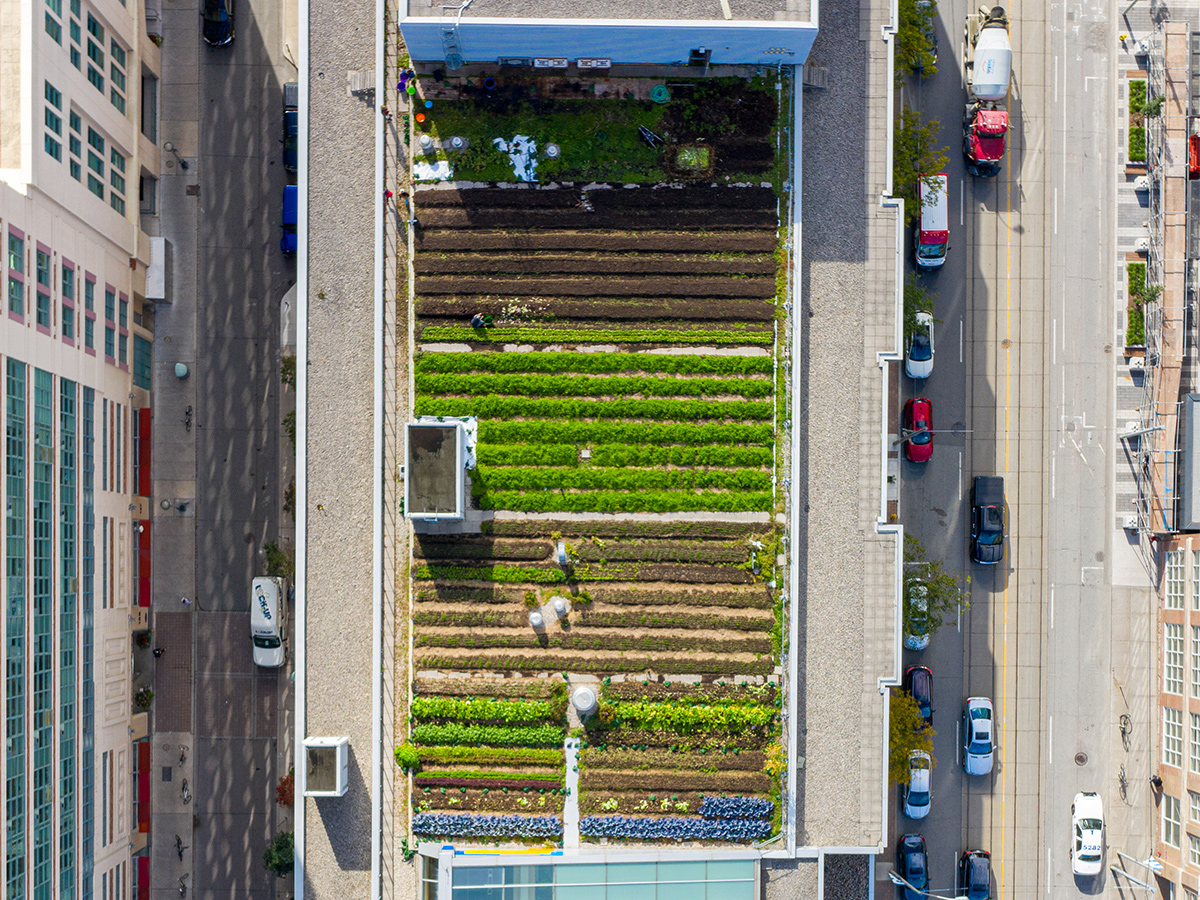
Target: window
(1194, 749)
(116, 72)
(1173, 737)
(55, 7)
(143, 358)
(1189, 894)
(68, 283)
(95, 163)
(96, 140)
(96, 79)
(110, 342)
(16, 253)
(53, 121)
(1174, 593)
(52, 147)
(76, 56)
(1194, 802)
(1173, 659)
(43, 268)
(1194, 850)
(116, 178)
(147, 194)
(1196, 661)
(150, 107)
(76, 32)
(16, 272)
(123, 336)
(95, 185)
(68, 323)
(1170, 820)
(110, 304)
(89, 333)
(54, 29)
(89, 296)
(95, 29)
(1196, 580)
(43, 309)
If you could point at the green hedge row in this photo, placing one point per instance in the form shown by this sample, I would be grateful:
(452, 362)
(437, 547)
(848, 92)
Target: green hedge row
(503, 735)
(594, 336)
(591, 433)
(622, 663)
(475, 775)
(656, 528)
(515, 478)
(590, 386)
(625, 455)
(595, 363)
(525, 756)
(589, 618)
(570, 408)
(527, 455)
(485, 708)
(686, 718)
(618, 501)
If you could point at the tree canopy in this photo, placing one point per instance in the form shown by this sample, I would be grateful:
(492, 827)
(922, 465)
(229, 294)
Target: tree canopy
(907, 732)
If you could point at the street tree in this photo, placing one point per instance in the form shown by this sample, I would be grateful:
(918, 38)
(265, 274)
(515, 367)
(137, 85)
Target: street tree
(916, 299)
(907, 731)
(944, 594)
(914, 39)
(915, 153)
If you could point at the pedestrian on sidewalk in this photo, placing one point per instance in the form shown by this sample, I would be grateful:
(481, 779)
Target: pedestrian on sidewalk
(1156, 782)
(185, 601)
(159, 651)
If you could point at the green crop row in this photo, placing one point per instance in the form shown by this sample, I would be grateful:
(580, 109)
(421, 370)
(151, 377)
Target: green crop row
(591, 619)
(590, 386)
(571, 408)
(557, 661)
(587, 433)
(620, 501)
(621, 455)
(491, 756)
(528, 454)
(485, 708)
(514, 478)
(474, 775)
(503, 735)
(595, 363)
(686, 718)
(503, 574)
(596, 336)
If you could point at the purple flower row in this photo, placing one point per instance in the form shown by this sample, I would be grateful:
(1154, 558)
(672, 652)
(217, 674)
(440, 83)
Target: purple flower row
(736, 808)
(456, 824)
(688, 828)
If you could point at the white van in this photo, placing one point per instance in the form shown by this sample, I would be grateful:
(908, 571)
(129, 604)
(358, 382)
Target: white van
(933, 231)
(267, 621)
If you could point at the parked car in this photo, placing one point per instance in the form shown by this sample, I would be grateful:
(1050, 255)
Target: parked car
(291, 125)
(979, 743)
(918, 362)
(916, 614)
(918, 681)
(918, 417)
(912, 864)
(291, 198)
(988, 526)
(216, 22)
(975, 875)
(1087, 823)
(917, 796)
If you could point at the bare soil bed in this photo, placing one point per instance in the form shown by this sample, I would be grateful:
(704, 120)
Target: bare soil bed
(651, 241)
(446, 310)
(611, 285)
(526, 264)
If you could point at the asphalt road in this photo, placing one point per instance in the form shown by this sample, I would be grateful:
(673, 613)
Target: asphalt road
(240, 279)
(1022, 387)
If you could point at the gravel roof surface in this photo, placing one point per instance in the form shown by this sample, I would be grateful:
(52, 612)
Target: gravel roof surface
(340, 371)
(847, 636)
(680, 10)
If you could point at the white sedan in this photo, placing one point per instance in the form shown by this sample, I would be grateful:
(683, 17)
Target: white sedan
(916, 794)
(1087, 846)
(918, 361)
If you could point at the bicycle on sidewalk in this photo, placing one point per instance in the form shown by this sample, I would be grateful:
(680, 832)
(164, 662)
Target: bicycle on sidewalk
(1126, 725)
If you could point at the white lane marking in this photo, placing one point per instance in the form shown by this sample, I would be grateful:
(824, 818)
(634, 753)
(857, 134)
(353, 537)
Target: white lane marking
(1052, 608)
(1053, 467)
(1056, 210)
(1047, 868)
(957, 742)
(961, 193)
(960, 340)
(1056, 79)
(1050, 727)
(960, 473)
(1054, 342)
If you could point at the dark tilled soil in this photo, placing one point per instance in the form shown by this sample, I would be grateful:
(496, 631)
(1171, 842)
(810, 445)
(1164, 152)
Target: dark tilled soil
(530, 264)
(458, 308)
(619, 198)
(763, 241)
(613, 220)
(597, 286)
(588, 325)
(613, 780)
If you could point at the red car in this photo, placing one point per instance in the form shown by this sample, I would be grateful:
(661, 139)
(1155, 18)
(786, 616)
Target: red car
(918, 416)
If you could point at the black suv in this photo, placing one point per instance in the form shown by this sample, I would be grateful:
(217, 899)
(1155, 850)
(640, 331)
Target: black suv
(975, 875)
(216, 22)
(988, 523)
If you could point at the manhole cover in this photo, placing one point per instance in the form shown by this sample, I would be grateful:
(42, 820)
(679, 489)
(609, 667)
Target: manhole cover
(1081, 758)
(1006, 343)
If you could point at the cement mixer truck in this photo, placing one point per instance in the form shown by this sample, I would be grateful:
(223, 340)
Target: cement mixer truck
(988, 64)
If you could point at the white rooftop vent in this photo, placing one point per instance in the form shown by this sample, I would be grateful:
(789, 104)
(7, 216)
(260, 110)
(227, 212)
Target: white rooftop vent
(327, 766)
(583, 698)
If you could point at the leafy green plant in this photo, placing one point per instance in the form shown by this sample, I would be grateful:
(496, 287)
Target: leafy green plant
(1136, 276)
(914, 154)
(498, 573)
(598, 335)
(546, 478)
(522, 758)
(279, 560)
(594, 363)
(280, 855)
(527, 454)
(618, 501)
(407, 757)
(590, 386)
(687, 718)
(914, 47)
(485, 708)
(143, 698)
(583, 433)
(287, 370)
(1135, 330)
(289, 426)
(1137, 144)
(1137, 96)
(570, 408)
(502, 735)
(582, 641)
(618, 663)
(627, 455)
(478, 775)
(944, 595)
